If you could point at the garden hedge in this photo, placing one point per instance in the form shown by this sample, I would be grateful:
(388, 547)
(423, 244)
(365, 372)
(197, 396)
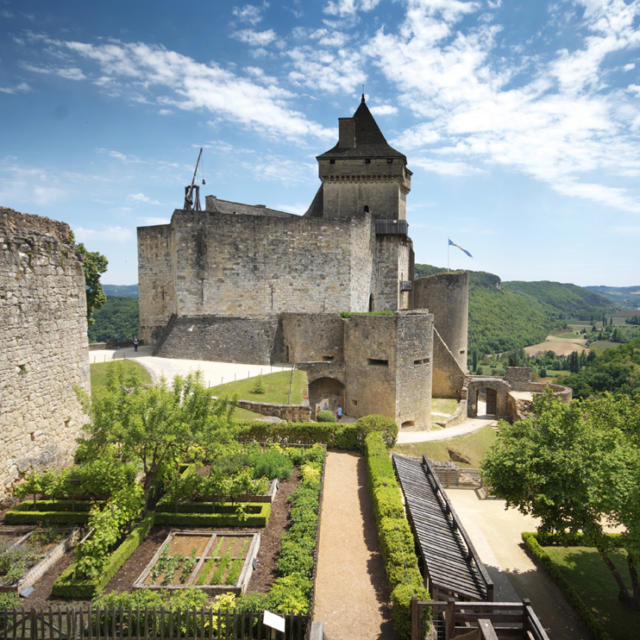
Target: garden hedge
(532, 543)
(201, 514)
(66, 586)
(349, 436)
(397, 545)
(49, 512)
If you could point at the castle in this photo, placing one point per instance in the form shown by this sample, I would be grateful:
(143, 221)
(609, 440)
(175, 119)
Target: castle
(332, 291)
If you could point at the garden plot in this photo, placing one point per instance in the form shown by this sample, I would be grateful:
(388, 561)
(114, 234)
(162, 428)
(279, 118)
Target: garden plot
(26, 555)
(215, 562)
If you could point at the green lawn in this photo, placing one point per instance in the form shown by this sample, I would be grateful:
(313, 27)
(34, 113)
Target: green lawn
(473, 445)
(276, 387)
(444, 405)
(602, 345)
(586, 571)
(99, 371)
(244, 415)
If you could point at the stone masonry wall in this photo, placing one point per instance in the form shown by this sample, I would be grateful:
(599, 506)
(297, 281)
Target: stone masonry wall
(313, 337)
(43, 345)
(242, 265)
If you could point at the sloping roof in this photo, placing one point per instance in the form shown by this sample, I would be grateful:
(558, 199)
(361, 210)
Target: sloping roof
(369, 141)
(447, 554)
(239, 208)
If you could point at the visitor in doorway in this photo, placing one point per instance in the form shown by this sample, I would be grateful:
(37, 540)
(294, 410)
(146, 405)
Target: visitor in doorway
(135, 344)
(339, 414)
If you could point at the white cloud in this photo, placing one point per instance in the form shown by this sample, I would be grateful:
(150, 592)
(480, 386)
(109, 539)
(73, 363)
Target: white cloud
(140, 197)
(329, 71)
(444, 167)
(172, 80)
(22, 87)
(629, 67)
(69, 73)
(349, 7)
(153, 220)
(383, 110)
(255, 38)
(250, 13)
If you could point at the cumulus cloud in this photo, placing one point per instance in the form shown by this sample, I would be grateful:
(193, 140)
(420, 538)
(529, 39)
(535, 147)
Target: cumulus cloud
(383, 110)
(140, 197)
(152, 73)
(349, 7)
(114, 233)
(250, 13)
(255, 38)
(21, 87)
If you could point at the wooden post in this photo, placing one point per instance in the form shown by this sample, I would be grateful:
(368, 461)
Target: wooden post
(414, 618)
(526, 602)
(450, 622)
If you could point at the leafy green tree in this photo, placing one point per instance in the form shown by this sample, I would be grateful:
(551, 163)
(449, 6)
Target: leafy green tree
(94, 264)
(576, 467)
(156, 426)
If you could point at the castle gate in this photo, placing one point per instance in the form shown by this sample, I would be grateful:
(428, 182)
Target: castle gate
(325, 394)
(488, 395)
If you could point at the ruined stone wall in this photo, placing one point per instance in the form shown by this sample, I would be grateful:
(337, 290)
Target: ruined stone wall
(519, 378)
(156, 272)
(446, 295)
(249, 339)
(448, 376)
(43, 345)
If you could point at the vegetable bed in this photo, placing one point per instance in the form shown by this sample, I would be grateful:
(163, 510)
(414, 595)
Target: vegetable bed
(212, 561)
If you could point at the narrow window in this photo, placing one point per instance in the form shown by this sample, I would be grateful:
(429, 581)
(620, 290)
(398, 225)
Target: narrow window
(375, 362)
(355, 403)
(421, 361)
(367, 160)
(389, 160)
(327, 358)
(332, 161)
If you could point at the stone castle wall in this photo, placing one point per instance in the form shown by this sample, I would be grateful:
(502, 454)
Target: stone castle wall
(43, 344)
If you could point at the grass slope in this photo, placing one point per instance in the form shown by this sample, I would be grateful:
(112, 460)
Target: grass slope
(276, 387)
(584, 569)
(100, 370)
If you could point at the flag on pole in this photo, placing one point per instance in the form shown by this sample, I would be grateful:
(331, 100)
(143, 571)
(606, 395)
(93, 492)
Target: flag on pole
(453, 244)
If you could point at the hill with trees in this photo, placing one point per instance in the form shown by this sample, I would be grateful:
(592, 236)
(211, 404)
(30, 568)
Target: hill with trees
(623, 296)
(510, 315)
(123, 290)
(118, 316)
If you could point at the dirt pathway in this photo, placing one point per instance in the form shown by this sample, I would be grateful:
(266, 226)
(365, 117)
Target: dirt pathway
(351, 588)
(495, 533)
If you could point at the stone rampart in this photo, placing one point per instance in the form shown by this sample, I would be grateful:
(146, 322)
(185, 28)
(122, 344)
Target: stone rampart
(251, 339)
(43, 344)
(288, 412)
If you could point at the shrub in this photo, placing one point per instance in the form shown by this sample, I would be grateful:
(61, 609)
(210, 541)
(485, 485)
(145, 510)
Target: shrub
(326, 416)
(258, 386)
(375, 422)
(397, 545)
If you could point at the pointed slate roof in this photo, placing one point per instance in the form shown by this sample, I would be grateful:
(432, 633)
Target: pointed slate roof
(369, 141)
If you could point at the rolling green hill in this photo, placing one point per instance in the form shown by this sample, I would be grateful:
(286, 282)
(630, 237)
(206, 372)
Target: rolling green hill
(510, 315)
(624, 296)
(123, 290)
(119, 315)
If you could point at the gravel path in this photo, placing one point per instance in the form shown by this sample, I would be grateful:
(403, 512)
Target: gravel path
(472, 424)
(351, 587)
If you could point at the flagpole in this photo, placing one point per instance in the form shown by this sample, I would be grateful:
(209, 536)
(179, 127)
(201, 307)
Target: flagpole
(448, 255)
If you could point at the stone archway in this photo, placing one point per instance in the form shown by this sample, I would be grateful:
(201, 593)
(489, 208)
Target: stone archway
(325, 393)
(488, 396)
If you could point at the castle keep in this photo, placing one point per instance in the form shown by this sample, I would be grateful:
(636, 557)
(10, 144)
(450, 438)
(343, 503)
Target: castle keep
(43, 344)
(245, 283)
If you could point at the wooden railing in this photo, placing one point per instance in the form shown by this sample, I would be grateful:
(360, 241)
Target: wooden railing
(494, 619)
(471, 554)
(143, 623)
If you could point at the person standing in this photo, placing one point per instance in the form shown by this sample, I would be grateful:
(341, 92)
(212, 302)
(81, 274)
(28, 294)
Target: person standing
(339, 413)
(135, 343)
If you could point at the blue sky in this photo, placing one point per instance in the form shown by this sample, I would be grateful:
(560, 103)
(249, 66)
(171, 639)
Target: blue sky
(520, 119)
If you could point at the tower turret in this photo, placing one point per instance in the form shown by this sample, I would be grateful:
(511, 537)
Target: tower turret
(362, 173)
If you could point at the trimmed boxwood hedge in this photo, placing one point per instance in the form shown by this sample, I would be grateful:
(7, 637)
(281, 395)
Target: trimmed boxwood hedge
(350, 436)
(397, 545)
(532, 543)
(201, 514)
(66, 586)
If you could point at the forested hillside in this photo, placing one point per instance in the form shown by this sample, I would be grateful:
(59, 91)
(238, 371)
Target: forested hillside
(507, 316)
(127, 290)
(119, 315)
(624, 296)
(617, 370)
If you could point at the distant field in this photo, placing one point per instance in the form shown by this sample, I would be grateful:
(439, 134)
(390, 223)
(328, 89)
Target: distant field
(603, 345)
(473, 445)
(561, 347)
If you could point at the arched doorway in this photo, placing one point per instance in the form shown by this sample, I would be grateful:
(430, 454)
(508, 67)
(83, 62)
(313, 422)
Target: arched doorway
(326, 394)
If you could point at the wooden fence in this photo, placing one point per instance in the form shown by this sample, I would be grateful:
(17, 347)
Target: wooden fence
(147, 623)
(492, 619)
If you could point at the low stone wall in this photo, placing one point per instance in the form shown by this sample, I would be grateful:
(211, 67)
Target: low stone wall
(288, 412)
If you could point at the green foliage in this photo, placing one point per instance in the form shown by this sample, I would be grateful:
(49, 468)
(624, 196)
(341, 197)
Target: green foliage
(258, 386)
(575, 467)
(94, 264)
(9, 600)
(108, 524)
(616, 370)
(326, 416)
(397, 545)
(591, 621)
(157, 426)
(276, 388)
(118, 316)
(101, 371)
(383, 424)
(204, 518)
(30, 516)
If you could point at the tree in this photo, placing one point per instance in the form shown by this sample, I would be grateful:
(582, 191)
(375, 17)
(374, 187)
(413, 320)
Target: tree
(576, 467)
(93, 264)
(155, 426)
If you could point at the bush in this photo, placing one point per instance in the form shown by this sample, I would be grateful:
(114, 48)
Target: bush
(326, 416)
(397, 545)
(257, 519)
(258, 386)
(375, 422)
